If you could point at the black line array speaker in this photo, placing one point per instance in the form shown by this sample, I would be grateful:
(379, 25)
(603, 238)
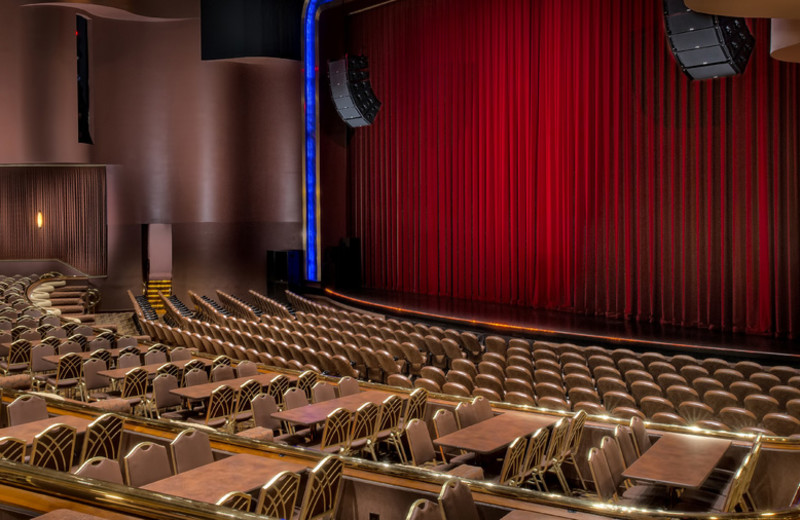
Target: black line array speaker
(707, 46)
(351, 91)
(82, 55)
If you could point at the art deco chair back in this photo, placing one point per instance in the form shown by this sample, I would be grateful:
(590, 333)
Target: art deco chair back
(279, 496)
(54, 448)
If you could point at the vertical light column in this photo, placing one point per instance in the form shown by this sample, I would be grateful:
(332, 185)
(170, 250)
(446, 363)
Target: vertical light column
(310, 165)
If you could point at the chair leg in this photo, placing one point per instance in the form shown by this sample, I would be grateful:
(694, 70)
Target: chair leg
(561, 478)
(371, 448)
(537, 479)
(578, 470)
(398, 445)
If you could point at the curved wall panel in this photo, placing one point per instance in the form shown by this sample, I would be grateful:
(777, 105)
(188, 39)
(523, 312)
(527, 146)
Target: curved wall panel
(785, 40)
(203, 145)
(132, 10)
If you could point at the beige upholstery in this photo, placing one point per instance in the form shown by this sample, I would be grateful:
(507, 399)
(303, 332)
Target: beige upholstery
(26, 408)
(146, 463)
(190, 449)
(640, 437)
(424, 509)
(101, 468)
(348, 386)
(323, 391)
(257, 433)
(456, 502)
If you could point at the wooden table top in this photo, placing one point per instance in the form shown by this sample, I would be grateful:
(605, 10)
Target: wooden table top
(679, 460)
(69, 514)
(210, 482)
(86, 355)
(317, 413)
(119, 373)
(27, 431)
(496, 433)
(204, 391)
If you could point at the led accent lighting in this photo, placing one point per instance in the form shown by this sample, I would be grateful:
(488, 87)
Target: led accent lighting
(310, 168)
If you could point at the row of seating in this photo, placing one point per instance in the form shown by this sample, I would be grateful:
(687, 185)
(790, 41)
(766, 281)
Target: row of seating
(149, 462)
(408, 356)
(143, 307)
(355, 433)
(332, 358)
(238, 307)
(725, 491)
(215, 347)
(550, 375)
(318, 310)
(13, 301)
(268, 305)
(455, 502)
(599, 380)
(100, 458)
(500, 345)
(69, 297)
(619, 397)
(55, 447)
(356, 323)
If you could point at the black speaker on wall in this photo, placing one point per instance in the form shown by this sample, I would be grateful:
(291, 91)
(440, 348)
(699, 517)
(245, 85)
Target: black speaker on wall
(348, 263)
(351, 91)
(707, 46)
(82, 60)
(250, 28)
(284, 271)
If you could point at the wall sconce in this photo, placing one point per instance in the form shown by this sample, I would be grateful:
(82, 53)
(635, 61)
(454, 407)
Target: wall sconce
(39, 220)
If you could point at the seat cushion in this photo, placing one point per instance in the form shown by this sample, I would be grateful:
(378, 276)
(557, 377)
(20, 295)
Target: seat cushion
(467, 471)
(259, 433)
(112, 405)
(17, 381)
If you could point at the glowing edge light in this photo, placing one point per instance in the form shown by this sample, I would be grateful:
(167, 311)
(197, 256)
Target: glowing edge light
(310, 166)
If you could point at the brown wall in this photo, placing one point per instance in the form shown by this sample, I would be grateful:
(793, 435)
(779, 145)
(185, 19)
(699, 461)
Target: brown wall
(210, 147)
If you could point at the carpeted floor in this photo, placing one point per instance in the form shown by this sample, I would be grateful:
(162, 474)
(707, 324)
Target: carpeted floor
(123, 321)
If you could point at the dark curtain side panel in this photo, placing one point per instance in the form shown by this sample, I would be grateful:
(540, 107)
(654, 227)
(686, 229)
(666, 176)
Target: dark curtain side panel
(551, 154)
(72, 200)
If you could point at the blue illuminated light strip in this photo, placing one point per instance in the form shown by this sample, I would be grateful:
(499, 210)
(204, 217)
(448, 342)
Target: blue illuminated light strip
(311, 197)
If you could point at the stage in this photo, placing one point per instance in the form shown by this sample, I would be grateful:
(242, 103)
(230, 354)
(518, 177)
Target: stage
(509, 320)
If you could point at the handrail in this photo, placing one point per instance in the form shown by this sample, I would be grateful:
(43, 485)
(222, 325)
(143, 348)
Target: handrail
(362, 468)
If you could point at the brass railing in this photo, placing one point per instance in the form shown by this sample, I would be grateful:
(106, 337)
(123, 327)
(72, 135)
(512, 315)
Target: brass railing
(65, 485)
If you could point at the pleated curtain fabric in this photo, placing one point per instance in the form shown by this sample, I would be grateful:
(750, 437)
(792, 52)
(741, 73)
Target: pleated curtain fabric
(551, 153)
(72, 200)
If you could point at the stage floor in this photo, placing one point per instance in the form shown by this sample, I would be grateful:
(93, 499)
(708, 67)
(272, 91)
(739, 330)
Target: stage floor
(567, 327)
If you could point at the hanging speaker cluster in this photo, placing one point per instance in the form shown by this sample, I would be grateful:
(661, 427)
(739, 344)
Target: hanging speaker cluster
(707, 46)
(351, 91)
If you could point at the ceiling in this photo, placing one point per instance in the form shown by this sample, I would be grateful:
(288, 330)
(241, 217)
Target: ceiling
(785, 15)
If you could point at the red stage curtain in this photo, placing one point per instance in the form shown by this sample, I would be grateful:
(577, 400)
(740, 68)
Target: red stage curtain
(550, 153)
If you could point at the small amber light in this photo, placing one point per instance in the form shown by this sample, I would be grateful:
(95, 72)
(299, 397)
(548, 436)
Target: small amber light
(39, 219)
